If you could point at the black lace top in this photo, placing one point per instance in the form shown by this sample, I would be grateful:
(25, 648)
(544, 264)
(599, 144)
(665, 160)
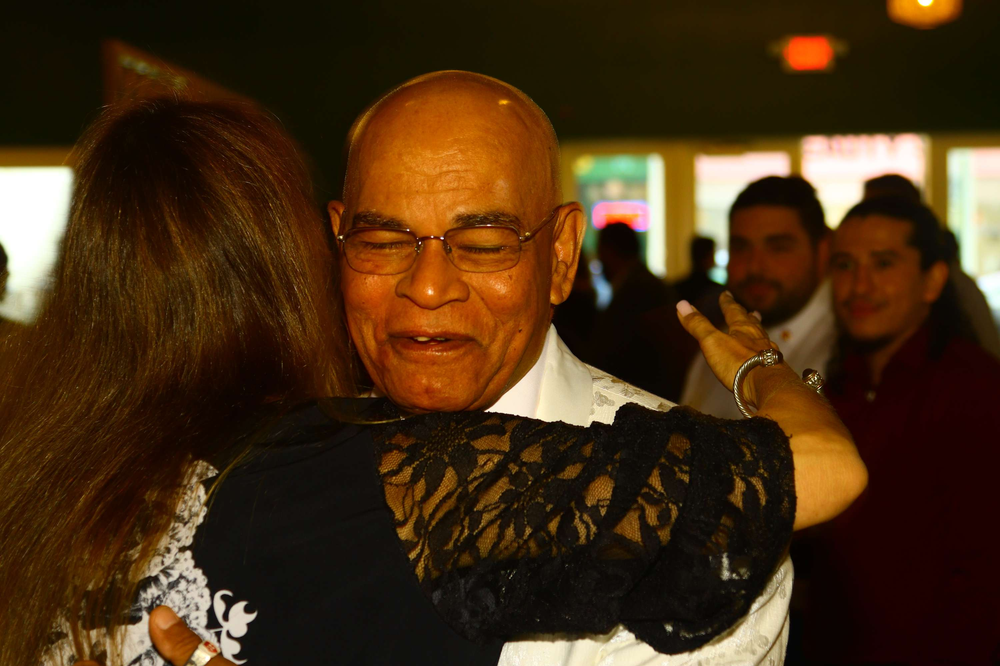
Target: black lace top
(433, 540)
(670, 522)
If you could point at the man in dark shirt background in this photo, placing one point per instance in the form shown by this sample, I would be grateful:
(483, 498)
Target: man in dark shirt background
(698, 288)
(907, 575)
(638, 337)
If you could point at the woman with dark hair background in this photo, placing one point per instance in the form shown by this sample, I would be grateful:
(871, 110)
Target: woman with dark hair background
(192, 326)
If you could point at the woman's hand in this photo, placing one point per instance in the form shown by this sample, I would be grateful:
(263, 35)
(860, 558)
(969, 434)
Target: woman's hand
(726, 352)
(829, 473)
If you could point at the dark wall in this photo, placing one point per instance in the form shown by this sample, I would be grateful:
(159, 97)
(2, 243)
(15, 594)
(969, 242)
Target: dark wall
(600, 68)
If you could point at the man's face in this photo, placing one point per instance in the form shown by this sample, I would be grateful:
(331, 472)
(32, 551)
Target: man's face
(881, 295)
(436, 338)
(774, 267)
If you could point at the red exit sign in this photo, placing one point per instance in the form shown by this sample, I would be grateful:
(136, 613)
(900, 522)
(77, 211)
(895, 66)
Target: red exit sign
(808, 53)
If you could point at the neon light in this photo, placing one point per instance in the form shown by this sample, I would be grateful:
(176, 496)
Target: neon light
(633, 213)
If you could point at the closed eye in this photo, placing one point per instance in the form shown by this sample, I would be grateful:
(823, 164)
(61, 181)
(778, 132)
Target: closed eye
(392, 245)
(482, 249)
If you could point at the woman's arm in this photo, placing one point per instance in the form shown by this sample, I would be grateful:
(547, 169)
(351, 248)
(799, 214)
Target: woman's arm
(829, 473)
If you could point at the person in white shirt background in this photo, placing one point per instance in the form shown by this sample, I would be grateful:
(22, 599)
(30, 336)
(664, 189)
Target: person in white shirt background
(779, 247)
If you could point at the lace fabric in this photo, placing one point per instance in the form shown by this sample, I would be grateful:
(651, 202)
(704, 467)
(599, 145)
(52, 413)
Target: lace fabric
(667, 522)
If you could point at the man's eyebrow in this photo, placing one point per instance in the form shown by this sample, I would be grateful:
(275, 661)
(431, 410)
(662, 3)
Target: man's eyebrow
(885, 254)
(369, 218)
(779, 238)
(490, 217)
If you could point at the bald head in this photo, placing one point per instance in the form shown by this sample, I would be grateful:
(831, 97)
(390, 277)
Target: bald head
(446, 113)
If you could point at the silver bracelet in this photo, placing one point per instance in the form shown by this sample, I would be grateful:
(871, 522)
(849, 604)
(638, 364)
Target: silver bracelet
(767, 358)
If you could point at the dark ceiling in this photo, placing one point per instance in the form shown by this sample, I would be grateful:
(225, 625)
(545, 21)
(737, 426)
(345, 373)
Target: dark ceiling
(622, 68)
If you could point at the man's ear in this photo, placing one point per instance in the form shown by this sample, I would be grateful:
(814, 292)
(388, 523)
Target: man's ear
(567, 239)
(336, 211)
(935, 278)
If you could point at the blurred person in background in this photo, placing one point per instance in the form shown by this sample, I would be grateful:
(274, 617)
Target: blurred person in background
(908, 575)
(778, 251)
(621, 344)
(698, 288)
(891, 185)
(973, 302)
(637, 338)
(970, 296)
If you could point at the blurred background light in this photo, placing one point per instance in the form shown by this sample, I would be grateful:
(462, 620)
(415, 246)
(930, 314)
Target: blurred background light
(924, 14)
(633, 213)
(34, 207)
(809, 54)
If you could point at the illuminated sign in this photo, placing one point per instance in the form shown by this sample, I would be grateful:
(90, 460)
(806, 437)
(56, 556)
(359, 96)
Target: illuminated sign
(633, 213)
(808, 53)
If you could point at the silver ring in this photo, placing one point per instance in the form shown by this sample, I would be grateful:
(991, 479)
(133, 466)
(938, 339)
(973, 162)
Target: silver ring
(813, 379)
(767, 358)
(206, 651)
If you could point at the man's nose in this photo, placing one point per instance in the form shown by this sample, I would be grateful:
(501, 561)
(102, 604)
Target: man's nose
(862, 283)
(757, 263)
(433, 280)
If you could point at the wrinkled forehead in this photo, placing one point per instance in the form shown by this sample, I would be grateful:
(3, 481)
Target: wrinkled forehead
(449, 143)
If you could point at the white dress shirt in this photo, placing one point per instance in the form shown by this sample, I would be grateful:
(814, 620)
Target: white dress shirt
(806, 340)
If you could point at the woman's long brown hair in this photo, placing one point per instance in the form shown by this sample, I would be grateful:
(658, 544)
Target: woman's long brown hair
(196, 286)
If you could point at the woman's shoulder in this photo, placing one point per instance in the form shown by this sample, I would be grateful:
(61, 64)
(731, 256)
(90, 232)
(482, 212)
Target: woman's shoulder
(172, 578)
(293, 436)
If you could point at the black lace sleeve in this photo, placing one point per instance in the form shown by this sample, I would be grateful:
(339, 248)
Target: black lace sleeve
(670, 522)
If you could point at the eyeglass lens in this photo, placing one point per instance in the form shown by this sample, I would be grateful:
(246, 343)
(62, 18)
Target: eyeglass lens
(390, 251)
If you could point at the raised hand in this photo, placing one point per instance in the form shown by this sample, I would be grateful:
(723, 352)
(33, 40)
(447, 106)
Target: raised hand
(829, 473)
(726, 352)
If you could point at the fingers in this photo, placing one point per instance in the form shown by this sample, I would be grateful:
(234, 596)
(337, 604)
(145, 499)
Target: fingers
(735, 314)
(742, 323)
(694, 322)
(174, 640)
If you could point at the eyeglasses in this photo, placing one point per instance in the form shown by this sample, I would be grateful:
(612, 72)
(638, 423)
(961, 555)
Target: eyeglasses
(483, 248)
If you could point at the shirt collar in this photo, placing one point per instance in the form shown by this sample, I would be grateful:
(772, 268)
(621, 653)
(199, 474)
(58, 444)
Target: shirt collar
(522, 398)
(816, 308)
